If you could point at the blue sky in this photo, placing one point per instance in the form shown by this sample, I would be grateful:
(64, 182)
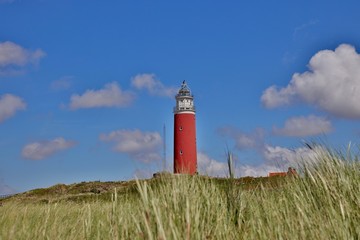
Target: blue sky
(87, 86)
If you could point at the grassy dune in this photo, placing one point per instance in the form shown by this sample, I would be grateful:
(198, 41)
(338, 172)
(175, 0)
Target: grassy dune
(324, 203)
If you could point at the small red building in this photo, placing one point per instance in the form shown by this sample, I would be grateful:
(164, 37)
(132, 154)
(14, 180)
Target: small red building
(281, 174)
(291, 172)
(185, 155)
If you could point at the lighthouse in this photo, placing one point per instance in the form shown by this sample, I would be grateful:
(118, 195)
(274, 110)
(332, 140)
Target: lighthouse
(185, 157)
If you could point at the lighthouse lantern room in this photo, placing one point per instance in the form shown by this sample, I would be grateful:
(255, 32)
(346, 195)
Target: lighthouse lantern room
(185, 156)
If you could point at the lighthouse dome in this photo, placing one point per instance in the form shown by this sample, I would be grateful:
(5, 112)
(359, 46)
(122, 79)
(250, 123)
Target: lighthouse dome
(184, 90)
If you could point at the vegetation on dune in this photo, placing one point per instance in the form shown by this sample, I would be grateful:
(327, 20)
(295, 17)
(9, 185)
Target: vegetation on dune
(77, 192)
(323, 203)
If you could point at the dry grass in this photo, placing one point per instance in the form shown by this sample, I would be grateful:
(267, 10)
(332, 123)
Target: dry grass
(322, 204)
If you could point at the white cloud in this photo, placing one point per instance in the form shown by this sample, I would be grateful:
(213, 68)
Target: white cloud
(110, 96)
(274, 97)
(212, 167)
(304, 126)
(332, 84)
(276, 158)
(44, 149)
(13, 56)
(9, 105)
(152, 85)
(244, 140)
(285, 157)
(141, 146)
(255, 141)
(261, 170)
(62, 83)
(281, 155)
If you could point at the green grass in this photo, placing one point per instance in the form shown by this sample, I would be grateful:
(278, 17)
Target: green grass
(324, 203)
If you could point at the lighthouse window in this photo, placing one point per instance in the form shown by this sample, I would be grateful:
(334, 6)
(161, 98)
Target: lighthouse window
(180, 128)
(181, 152)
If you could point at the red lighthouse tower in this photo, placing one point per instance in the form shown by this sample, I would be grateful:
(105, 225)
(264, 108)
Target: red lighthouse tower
(185, 157)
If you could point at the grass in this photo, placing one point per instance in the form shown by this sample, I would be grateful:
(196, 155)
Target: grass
(323, 203)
